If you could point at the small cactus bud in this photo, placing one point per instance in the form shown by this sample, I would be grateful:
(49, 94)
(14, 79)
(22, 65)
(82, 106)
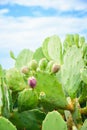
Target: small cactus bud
(43, 63)
(24, 69)
(33, 65)
(32, 82)
(55, 68)
(42, 95)
(49, 65)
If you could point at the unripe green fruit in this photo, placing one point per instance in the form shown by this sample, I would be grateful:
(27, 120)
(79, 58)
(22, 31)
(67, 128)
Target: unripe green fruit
(25, 69)
(27, 99)
(42, 95)
(55, 68)
(33, 65)
(43, 63)
(49, 66)
(38, 69)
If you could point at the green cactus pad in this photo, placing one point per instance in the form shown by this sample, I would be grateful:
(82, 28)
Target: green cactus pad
(45, 48)
(23, 58)
(5, 124)
(28, 120)
(70, 70)
(38, 54)
(55, 49)
(84, 75)
(1, 103)
(52, 88)
(84, 127)
(15, 80)
(5, 96)
(54, 121)
(27, 99)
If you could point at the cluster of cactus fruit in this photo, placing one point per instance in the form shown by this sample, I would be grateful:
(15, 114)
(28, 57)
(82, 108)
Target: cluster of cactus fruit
(46, 89)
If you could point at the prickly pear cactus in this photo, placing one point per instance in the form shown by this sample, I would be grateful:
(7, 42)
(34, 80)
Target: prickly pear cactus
(15, 80)
(45, 48)
(43, 64)
(5, 124)
(49, 85)
(38, 54)
(84, 127)
(70, 70)
(83, 72)
(54, 121)
(85, 53)
(24, 57)
(5, 96)
(33, 65)
(28, 99)
(55, 49)
(28, 120)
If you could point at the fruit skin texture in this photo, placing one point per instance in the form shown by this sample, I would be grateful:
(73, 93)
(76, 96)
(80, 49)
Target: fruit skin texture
(32, 82)
(27, 99)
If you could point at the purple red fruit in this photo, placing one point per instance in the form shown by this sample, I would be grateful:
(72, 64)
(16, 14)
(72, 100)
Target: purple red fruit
(32, 82)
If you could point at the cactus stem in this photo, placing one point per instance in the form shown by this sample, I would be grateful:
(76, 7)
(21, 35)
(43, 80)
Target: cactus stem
(70, 105)
(83, 110)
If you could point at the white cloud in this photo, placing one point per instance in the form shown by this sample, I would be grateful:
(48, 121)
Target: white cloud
(3, 11)
(28, 32)
(58, 4)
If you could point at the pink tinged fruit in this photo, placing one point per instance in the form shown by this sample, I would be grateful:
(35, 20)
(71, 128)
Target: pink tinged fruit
(24, 69)
(32, 82)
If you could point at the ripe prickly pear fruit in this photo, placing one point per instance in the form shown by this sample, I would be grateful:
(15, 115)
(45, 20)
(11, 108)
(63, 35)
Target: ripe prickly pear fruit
(32, 82)
(33, 65)
(25, 69)
(43, 64)
(27, 99)
(55, 68)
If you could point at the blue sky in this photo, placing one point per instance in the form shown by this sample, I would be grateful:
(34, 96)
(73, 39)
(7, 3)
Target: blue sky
(26, 23)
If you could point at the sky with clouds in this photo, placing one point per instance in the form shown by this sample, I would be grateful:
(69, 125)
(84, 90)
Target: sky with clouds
(26, 23)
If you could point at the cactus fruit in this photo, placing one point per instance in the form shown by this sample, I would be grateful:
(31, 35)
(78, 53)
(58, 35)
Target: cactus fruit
(25, 69)
(55, 68)
(49, 65)
(42, 95)
(32, 82)
(5, 124)
(33, 64)
(27, 99)
(43, 64)
(54, 121)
